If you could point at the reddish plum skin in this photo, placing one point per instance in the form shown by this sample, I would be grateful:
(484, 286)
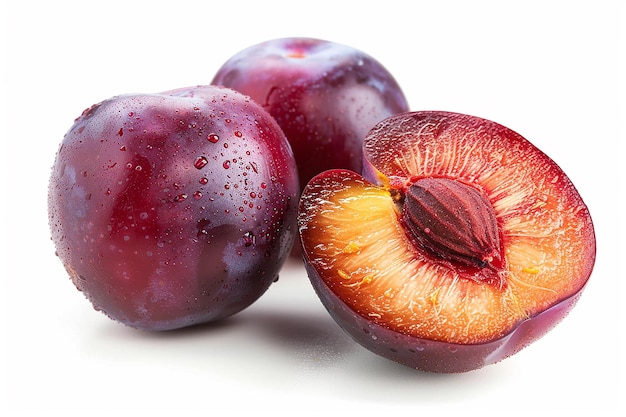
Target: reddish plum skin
(173, 209)
(325, 96)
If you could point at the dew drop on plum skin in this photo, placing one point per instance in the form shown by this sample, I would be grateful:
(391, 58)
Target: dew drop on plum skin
(200, 162)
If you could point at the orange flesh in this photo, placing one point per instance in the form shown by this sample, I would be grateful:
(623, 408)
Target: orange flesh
(296, 54)
(354, 239)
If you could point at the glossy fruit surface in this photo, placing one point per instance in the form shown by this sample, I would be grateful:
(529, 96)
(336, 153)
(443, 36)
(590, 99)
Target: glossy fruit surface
(173, 209)
(461, 243)
(325, 96)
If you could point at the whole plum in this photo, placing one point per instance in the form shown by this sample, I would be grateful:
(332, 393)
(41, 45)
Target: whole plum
(173, 209)
(324, 95)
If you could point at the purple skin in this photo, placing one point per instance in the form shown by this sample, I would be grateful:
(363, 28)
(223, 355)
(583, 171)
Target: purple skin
(325, 96)
(173, 209)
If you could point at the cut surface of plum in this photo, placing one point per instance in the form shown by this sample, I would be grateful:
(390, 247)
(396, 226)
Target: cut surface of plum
(371, 267)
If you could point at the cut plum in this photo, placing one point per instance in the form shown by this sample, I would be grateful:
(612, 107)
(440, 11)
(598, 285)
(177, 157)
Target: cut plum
(459, 245)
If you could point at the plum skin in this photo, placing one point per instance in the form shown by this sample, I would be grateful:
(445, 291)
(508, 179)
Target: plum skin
(325, 96)
(173, 209)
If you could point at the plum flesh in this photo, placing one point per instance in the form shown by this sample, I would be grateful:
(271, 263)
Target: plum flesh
(324, 95)
(402, 301)
(173, 209)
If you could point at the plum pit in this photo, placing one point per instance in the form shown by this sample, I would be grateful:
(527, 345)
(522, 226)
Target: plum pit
(454, 222)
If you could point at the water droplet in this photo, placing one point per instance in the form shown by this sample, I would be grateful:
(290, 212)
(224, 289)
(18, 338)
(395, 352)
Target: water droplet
(108, 191)
(204, 181)
(200, 162)
(131, 114)
(213, 138)
(249, 239)
(203, 226)
(263, 185)
(226, 164)
(252, 194)
(197, 195)
(238, 133)
(120, 132)
(180, 197)
(123, 148)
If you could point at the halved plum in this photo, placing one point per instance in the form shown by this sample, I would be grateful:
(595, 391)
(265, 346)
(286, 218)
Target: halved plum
(460, 244)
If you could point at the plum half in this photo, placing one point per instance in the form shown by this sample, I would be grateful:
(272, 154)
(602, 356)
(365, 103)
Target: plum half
(324, 95)
(173, 209)
(460, 244)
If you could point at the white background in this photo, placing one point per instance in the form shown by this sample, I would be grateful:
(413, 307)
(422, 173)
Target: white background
(552, 70)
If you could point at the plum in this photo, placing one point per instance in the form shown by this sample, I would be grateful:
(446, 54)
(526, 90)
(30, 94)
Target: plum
(173, 209)
(324, 95)
(460, 244)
